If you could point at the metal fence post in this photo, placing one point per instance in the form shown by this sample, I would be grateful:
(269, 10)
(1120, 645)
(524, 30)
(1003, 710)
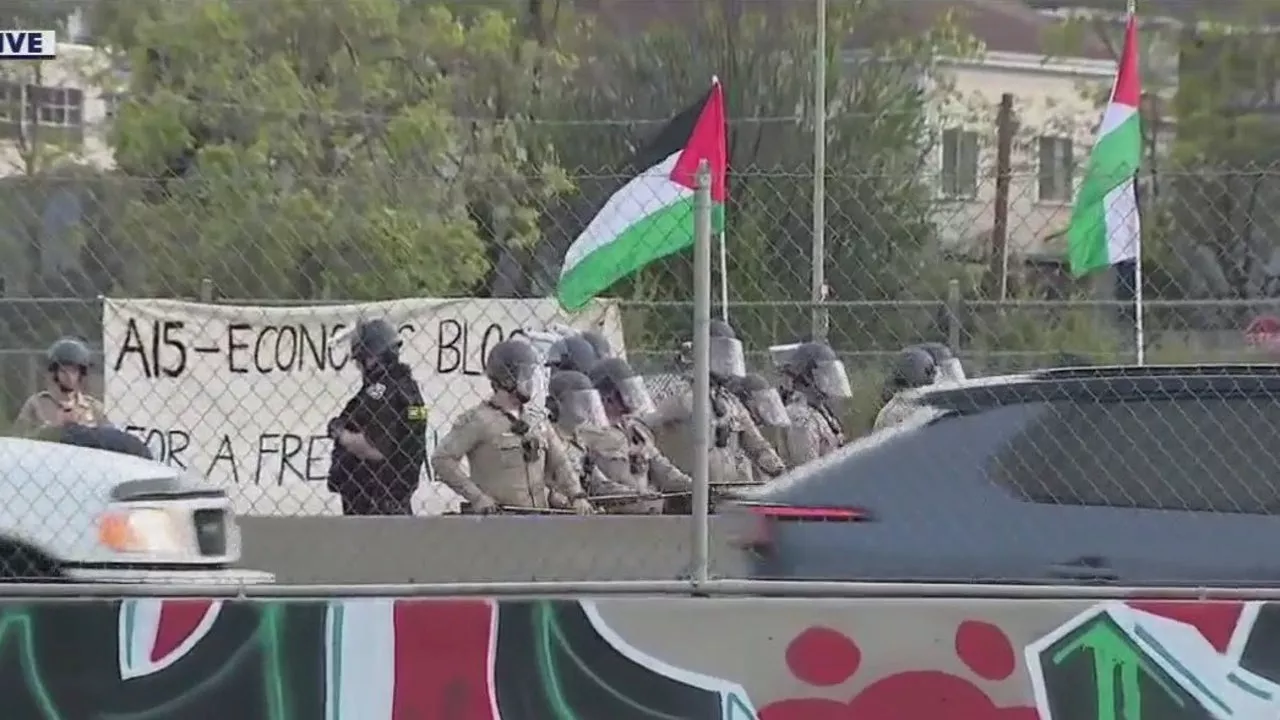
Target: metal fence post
(700, 513)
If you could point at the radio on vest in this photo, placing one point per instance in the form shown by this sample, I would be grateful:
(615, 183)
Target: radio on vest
(28, 45)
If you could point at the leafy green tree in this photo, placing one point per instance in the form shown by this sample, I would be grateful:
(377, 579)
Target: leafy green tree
(293, 148)
(879, 229)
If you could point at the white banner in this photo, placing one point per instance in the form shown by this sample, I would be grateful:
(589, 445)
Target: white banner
(241, 395)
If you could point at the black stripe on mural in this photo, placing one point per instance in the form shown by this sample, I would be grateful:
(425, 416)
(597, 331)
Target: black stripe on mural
(551, 663)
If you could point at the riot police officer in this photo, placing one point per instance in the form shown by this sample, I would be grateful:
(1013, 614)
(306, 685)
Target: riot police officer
(598, 342)
(572, 352)
(767, 409)
(912, 368)
(949, 367)
(380, 436)
(737, 444)
(64, 400)
(579, 420)
(629, 456)
(514, 463)
(820, 383)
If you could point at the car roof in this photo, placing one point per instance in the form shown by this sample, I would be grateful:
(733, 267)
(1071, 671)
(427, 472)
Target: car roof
(1117, 382)
(39, 458)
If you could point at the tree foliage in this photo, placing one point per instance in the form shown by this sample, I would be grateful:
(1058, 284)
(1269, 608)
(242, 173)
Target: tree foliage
(879, 195)
(291, 148)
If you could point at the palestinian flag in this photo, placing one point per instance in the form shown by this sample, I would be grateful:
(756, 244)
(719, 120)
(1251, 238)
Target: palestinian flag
(1105, 228)
(651, 215)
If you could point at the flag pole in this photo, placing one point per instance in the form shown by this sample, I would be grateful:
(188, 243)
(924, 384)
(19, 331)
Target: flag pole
(1139, 332)
(723, 249)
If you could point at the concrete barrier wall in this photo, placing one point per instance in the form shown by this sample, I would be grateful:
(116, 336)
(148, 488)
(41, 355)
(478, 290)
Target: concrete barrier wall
(462, 549)
(638, 658)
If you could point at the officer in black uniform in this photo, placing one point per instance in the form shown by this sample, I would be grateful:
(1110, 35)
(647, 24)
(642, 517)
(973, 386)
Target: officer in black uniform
(380, 437)
(573, 353)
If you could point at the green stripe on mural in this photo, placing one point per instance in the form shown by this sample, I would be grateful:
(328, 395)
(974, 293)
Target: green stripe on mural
(657, 235)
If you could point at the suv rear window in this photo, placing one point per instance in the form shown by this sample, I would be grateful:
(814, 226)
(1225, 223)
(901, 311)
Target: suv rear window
(1205, 454)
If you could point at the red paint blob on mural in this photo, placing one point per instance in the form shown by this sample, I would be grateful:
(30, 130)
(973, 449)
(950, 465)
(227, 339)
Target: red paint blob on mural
(823, 657)
(178, 620)
(909, 695)
(985, 650)
(1215, 619)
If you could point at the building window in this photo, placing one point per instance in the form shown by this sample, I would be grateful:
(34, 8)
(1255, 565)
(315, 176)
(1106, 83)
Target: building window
(58, 113)
(959, 163)
(1057, 169)
(61, 107)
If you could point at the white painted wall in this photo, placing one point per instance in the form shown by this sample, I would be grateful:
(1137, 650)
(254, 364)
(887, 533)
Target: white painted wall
(1049, 98)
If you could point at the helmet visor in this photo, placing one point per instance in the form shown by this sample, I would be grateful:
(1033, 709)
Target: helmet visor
(831, 380)
(727, 357)
(634, 395)
(582, 407)
(766, 406)
(525, 381)
(950, 371)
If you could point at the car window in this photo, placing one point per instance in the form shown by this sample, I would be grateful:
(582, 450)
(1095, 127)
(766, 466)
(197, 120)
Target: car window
(1210, 454)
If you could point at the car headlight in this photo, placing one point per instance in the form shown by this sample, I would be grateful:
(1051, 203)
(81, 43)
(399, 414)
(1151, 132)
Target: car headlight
(140, 530)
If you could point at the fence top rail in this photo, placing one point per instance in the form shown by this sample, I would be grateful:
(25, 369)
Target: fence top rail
(677, 588)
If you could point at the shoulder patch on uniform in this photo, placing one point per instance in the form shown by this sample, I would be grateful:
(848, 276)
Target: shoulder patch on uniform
(376, 391)
(417, 412)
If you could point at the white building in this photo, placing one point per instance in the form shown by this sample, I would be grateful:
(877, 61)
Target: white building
(52, 112)
(1055, 111)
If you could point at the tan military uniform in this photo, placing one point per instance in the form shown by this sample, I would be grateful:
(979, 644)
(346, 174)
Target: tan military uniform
(811, 435)
(628, 455)
(45, 409)
(744, 446)
(582, 448)
(512, 470)
(894, 412)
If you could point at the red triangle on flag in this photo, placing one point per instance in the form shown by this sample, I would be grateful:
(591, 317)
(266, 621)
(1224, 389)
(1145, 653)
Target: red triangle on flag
(706, 142)
(1128, 87)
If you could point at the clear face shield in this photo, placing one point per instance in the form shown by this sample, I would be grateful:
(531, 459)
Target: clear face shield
(950, 371)
(830, 379)
(526, 385)
(635, 396)
(767, 407)
(581, 407)
(727, 358)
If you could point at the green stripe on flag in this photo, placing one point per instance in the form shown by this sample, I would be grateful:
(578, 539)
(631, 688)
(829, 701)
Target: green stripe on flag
(659, 234)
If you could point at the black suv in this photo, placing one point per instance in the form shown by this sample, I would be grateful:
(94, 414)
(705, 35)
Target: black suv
(1127, 475)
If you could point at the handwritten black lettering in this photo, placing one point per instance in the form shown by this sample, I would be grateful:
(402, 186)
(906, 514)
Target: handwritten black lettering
(448, 334)
(166, 446)
(456, 350)
(236, 343)
(225, 455)
(165, 354)
(492, 334)
(288, 456)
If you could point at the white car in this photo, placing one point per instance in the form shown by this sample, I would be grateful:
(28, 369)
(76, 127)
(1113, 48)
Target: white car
(90, 515)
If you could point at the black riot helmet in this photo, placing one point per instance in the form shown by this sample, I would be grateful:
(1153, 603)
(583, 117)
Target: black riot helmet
(573, 401)
(816, 370)
(949, 367)
(375, 340)
(571, 353)
(913, 367)
(620, 387)
(761, 399)
(512, 366)
(598, 342)
(69, 352)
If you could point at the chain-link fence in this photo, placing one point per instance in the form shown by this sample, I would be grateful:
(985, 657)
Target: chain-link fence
(241, 210)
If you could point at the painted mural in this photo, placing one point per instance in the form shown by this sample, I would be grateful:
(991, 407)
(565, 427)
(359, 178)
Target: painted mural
(650, 658)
